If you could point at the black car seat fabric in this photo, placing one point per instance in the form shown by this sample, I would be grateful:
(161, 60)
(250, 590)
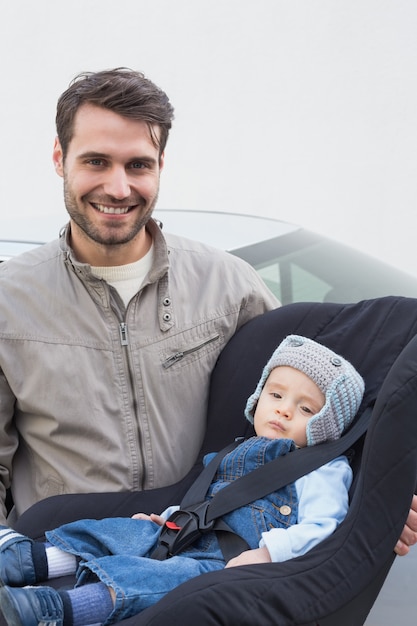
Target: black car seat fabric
(335, 583)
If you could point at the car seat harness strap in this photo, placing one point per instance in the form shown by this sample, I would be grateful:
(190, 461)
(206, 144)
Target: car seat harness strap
(197, 515)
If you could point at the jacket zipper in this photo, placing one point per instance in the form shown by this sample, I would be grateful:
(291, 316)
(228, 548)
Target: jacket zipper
(124, 339)
(171, 360)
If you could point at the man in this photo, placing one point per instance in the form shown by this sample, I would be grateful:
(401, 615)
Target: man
(108, 336)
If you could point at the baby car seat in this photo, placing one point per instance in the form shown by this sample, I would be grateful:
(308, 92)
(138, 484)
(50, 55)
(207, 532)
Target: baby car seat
(336, 583)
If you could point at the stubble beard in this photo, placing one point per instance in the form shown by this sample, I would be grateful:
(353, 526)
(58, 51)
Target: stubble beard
(114, 234)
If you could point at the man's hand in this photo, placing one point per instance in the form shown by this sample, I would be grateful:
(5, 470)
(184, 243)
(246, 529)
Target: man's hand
(151, 518)
(408, 537)
(250, 557)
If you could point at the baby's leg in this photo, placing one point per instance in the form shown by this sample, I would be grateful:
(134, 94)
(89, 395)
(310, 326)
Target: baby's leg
(27, 562)
(136, 583)
(90, 604)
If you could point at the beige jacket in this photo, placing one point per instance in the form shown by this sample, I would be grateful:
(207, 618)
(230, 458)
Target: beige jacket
(96, 397)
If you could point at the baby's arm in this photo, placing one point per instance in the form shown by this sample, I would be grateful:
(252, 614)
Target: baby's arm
(323, 501)
(250, 557)
(322, 504)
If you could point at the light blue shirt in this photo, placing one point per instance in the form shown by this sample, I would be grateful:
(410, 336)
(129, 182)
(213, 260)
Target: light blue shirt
(323, 501)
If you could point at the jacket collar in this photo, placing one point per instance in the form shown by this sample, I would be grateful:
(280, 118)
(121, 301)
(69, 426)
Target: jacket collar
(160, 263)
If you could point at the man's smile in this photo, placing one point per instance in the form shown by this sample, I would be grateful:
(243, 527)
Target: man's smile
(111, 209)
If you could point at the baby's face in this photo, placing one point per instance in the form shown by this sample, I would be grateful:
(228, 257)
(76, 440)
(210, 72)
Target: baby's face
(288, 400)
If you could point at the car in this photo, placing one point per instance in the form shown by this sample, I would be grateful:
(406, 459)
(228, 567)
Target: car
(297, 264)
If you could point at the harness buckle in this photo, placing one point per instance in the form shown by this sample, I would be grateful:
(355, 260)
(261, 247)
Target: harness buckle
(184, 528)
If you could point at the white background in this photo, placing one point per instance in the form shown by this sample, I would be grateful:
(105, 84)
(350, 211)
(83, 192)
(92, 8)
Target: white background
(304, 110)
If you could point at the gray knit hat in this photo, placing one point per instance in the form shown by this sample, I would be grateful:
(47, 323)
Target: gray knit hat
(338, 380)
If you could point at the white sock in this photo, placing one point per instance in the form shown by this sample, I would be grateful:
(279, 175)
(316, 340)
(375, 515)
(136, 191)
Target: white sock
(60, 563)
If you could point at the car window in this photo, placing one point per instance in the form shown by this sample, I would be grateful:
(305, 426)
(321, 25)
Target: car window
(305, 267)
(291, 283)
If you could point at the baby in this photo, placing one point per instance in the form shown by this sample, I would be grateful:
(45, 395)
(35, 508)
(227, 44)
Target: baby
(306, 395)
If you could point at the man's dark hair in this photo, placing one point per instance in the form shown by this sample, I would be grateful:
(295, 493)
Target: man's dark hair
(121, 90)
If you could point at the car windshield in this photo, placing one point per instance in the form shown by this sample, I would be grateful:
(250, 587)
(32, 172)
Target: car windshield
(302, 266)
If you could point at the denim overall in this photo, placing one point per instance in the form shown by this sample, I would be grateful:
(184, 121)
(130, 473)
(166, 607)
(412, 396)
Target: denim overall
(116, 550)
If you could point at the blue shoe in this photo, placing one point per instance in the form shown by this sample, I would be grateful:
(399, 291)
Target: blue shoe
(31, 606)
(16, 561)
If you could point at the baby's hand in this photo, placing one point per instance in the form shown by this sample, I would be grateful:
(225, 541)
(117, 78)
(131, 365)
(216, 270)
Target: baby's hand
(249, 557)
(141, 516)
(157, 519)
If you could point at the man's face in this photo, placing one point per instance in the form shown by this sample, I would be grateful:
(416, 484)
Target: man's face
(111, 179)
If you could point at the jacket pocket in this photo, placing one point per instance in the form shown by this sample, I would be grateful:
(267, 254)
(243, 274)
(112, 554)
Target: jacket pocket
(191, 350)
